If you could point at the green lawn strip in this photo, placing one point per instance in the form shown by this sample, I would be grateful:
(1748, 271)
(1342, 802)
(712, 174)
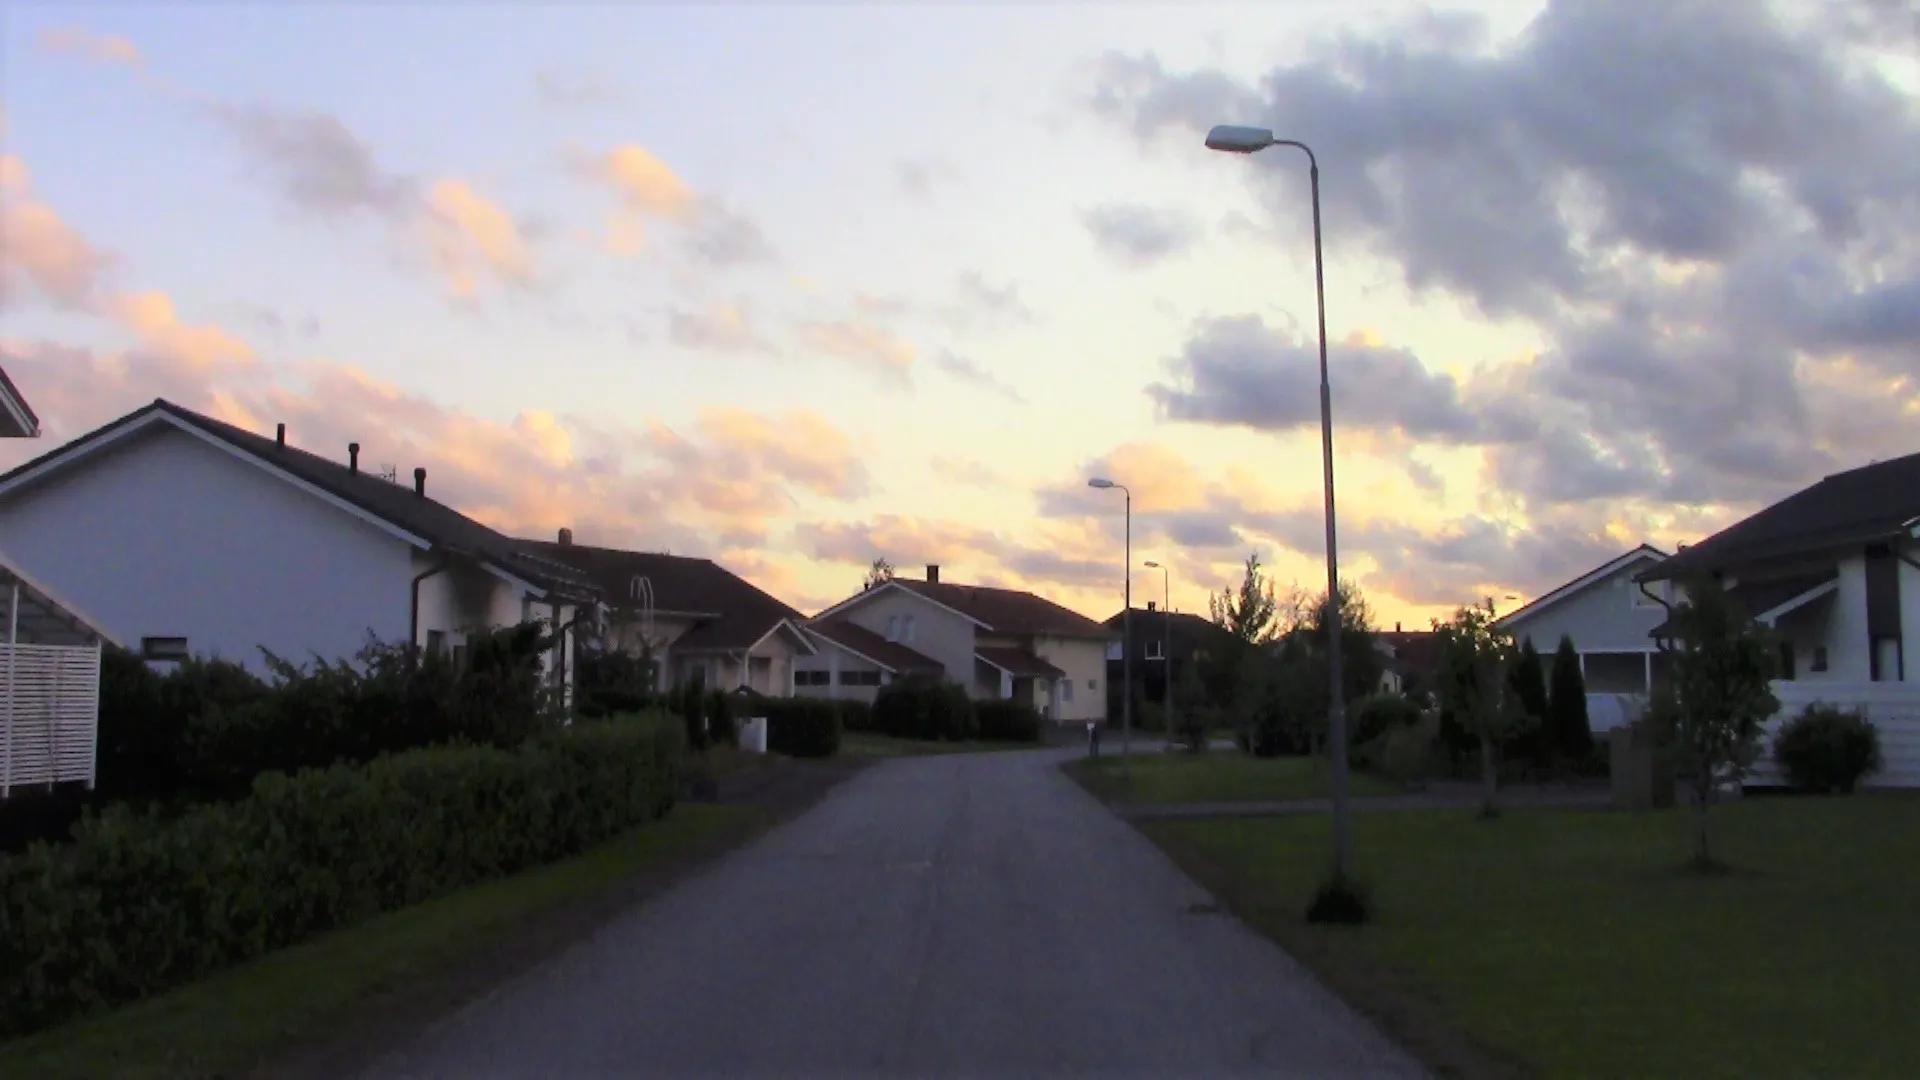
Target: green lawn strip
(1215, 776)
(866, 744)
(1562, 944)
(230, 1023)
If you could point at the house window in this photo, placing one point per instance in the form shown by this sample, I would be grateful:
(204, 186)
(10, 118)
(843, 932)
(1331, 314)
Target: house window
(1819, 659)
(909, 629)
(893, 628)
(1154, 651)
(813, 678)
(436, 642)
(1066, 689)
(163, 648)
(860, 678)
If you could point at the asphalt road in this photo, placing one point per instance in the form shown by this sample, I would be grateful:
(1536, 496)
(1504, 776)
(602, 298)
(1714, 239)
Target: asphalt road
(964, 916)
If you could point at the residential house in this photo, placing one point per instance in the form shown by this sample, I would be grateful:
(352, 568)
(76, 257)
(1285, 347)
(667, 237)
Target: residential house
(854, 662)
(191, 536)
(1834, 571)
(1411, 659)
(692, 614)
(1165, 645)
(1608, 616)
(998, 643)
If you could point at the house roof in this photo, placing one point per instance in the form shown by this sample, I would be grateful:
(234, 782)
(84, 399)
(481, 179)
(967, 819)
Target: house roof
(1413, 650)
(731, 612)
(1017, 662)
(43, 617)
(1008, 611)
(873, 647)
(17, 419)
(1766, 599)
(1539, 605)
(1183, 622)
(420, 519)
(1873, 502)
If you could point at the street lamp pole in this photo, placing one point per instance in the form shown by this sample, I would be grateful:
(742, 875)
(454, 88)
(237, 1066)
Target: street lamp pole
(1247, 140)
(1166, 643)
(1126, 630)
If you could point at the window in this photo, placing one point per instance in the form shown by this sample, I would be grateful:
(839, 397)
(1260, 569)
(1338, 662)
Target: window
(1819, 658)
(436, 642)
(1093, 684)
(813, 678)
(893, 628)
(908, 636)
(1154, 651)
(859, 678)
(1066, 689)
(163, 648)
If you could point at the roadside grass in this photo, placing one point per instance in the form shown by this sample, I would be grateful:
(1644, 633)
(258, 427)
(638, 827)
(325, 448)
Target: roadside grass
(1215, 776)
(867, 744)
(1558, 944)
(236, 1021)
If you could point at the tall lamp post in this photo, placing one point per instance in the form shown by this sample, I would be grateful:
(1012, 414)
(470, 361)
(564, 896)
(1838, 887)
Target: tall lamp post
(1234, 139)
(1126, 630)
(1166, 642)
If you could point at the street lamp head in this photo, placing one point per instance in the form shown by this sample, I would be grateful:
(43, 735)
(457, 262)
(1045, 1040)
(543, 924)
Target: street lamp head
(1100, 482)
(1151, 565)
(1235, 139)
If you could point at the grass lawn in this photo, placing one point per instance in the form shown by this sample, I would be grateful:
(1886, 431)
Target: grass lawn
(238, 1020)
(1215, 776)
(1570, 945)
(867, 744)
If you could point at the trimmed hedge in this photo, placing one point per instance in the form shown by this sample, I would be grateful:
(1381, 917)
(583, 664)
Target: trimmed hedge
(924, 709)
(801, 727)
(1007, 721)
(141, 903)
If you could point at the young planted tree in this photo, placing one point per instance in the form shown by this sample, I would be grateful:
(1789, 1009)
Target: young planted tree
(1569, 732)
(1716, 698)
(1474, 685)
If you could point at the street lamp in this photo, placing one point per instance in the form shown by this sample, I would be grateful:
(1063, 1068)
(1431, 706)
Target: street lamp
(1166, 642)
(1246, 140)
(1126, 629)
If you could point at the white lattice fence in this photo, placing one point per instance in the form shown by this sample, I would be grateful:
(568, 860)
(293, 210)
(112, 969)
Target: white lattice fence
(1893, 707)
(49, 714)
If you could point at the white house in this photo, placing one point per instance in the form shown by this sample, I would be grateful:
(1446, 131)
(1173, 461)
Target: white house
(184, 535)
(1834, 571)
(1609, 618)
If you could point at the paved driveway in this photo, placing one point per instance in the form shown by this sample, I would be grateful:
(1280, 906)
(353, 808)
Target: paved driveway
(973, 915)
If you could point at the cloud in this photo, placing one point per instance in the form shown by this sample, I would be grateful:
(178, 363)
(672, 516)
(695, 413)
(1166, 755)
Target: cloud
(571, 90)
(473, 238)
(1726, 315)
(979, 303)
(96, 48)
(42, 250)
(645, 184)
(152, 318)
(859, 342)
(970, 371)
(1140, 236)
(722, 238)
(649, 190)
(919, 178)
(969, 472)
(720, 328)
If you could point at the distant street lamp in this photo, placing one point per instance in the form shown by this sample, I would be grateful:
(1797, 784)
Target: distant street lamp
(1126, 630)
(1166, 641)
(1247, 140)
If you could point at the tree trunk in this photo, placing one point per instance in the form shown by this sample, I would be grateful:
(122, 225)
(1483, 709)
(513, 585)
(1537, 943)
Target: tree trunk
(1489, 780)
(1702, 796)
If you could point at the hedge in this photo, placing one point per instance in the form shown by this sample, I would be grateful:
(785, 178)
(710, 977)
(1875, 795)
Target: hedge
(801, 727)
(1007, 721)
(140, 903)
(924, 709)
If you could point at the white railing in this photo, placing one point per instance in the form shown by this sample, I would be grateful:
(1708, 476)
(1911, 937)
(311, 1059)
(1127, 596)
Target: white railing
(1893, 707)
(49, 714)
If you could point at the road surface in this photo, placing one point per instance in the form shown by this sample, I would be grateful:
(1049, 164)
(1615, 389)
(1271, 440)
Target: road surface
(972, 915)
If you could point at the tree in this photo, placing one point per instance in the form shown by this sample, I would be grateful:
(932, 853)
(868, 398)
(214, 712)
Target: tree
(1361, 665)
(1716, 698)
(1475, 687)
(879, 573)
(1235, 670)
(1529, 679)
(1189, 708)
(1569, 732)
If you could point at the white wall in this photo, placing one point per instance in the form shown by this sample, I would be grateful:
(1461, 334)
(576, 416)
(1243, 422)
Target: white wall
(173, 537)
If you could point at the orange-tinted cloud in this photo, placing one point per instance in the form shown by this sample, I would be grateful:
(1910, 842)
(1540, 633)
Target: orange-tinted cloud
(40, 249)
(472, 238)
(861, 343)
(151, 317)
(98, 48)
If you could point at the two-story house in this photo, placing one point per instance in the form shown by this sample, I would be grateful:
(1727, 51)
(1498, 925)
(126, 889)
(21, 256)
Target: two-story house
(1165, 645)
(998, 643)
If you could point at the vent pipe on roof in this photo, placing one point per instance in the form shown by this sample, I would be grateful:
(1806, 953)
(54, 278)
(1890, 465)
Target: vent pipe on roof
(566, 537)
(933, 573)
(280, 436)
(353, 457)
(1396, 628)
(420, 482)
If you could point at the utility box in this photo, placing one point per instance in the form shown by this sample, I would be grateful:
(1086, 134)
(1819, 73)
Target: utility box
(753, 735)
(1642, 772)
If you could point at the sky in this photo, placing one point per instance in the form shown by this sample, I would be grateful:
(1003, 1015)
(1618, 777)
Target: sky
(797, 287)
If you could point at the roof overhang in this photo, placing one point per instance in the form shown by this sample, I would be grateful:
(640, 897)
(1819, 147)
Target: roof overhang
(17, 420)
(49, 604)
(1794, 603)
(154, 417)
(849, 650)
(1645, 552)
(866, 595)
(1051, 672)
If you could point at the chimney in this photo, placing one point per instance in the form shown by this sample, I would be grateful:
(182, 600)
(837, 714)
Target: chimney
(420, 482)
(933, 573)
(280, 436)
(566, 537)
(353, 457)
(1149, 605)
(1396, 628)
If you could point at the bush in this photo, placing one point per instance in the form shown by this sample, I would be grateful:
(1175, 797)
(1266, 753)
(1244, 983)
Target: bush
(924, 709)
(720, 727)
(1007, 721)
(1827, 749)
(801, 727)
(1410, 754)
(141, 903)
(1373, 716)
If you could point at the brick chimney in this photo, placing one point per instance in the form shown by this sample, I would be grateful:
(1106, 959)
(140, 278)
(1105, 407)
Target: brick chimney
(1149, 605)
(420, 481)
(933, 573)
(566, 537)
(353, 457)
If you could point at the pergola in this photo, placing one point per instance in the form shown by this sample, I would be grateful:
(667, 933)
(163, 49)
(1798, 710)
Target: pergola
(49, 687)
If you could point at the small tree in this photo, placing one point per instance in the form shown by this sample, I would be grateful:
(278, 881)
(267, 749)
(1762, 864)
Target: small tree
(1475, 687)
(878, 574)
(1529, 684)
(1361, 665)
(1717, 697)
(1248, 617)
(1190, 708)
(1569, 732)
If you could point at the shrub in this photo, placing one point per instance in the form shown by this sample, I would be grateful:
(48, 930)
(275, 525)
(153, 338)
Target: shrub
(141, 903)
(1827, 749)
(1410, 754)
(801, 727)
(1375, 715)
(918, 708)
(720, 726)
(1007, 721)
(1569, 730)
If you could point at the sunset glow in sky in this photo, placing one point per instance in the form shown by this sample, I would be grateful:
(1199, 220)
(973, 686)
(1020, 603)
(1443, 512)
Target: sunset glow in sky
(796, 287)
